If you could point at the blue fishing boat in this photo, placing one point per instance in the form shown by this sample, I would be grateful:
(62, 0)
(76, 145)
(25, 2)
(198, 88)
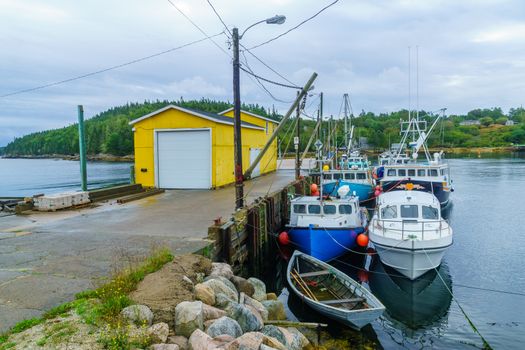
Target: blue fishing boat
(326, 228)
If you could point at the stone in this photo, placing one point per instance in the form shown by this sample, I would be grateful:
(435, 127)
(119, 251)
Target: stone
(266, 347)
(274, 332)
(158, 332)
(293, 341)
(275, 309)
(221, 340)
(273, 343)
(200, 341)
(221, 269)
(140, 315)
(187, 280)
(189, 316)
(224, 325)
(254, 341)
(259, 288)
(256, 305)
(164, 347)
(302, 339)
(242, 285)
(179, 340)
(222, 301)
(271, 296)
(204, 293)
(224, 280)
(211, 313)
(218, 286)
(247, 317)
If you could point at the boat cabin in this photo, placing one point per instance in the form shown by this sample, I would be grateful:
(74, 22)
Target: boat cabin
(416, 172)
(350, 175)
(408, 205)
(340, 212)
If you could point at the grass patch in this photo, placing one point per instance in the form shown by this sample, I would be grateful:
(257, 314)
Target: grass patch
(25, 324)
(7, 346)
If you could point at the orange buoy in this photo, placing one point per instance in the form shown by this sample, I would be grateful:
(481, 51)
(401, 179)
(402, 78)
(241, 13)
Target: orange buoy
(362, 240)
(362, 275)
(284, 239)
(315, 194)
(377, 193)
(313, 188)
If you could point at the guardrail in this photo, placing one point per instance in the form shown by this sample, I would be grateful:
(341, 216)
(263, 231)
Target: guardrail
(409, 232)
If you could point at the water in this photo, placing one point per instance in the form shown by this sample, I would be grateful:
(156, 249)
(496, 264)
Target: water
(488, 219)
(26, 177)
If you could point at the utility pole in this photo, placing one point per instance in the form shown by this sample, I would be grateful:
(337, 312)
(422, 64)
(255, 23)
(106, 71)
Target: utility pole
(239, 183)
(297, 139)
(82, 148)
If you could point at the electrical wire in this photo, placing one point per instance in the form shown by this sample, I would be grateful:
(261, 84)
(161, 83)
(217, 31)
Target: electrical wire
(270, 81)
(219, 16)
(293, 28)
(266, 65)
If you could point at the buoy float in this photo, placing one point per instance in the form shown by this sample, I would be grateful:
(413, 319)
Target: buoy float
(284, 239)
(313, 188)
(377, 193)
(315, 194)
(362, 240)
(326, 167)
(378, 188)
(362, 275)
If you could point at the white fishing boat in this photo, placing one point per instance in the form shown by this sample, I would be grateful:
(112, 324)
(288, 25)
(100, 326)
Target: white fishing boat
(408, 231)
(331, 292)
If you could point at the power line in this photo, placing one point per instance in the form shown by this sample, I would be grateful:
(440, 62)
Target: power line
(270, 81)
(109, 68)
(219, 16)
(297, 26)
(266, 65)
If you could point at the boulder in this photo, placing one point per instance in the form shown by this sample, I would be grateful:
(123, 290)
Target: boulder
(200, 341)
(189, 316)
(303, 341)
(211, 313)
(140, 315)
(164, 347)
(179, 340)
(224, 325)
(242, 285)
(244, 299)
(259, 288)
(247, 317)
(221, 340)
(275, 309)
(274, 332)
(254, 341)
(204, 293)
(218, 286)
(158, 333)
(271, 296)
(224, 280)
(221, 269)
(266, 347)
(222, 301)
(293, 340)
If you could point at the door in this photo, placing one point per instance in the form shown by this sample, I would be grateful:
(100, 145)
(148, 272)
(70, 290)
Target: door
(254, 152)
(184, 159)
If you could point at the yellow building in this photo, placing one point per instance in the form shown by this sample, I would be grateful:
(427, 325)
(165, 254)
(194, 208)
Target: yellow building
(178, 147)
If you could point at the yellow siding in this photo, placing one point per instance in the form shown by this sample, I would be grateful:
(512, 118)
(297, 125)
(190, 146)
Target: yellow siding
(222, 145)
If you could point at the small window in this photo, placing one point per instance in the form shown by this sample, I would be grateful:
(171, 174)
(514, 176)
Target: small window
(314, 209)
(349, 176)
(299, 208)
(337, 176)
(327, 176)
(409, 211)
(401, 172)
(391, 172)
(329, 209)
(430, 213)
(442, 171)
(399, 161)
(411, 172)
(433, 172)
(389, 212)
(421, 172)
(345, 209)
(360, 176)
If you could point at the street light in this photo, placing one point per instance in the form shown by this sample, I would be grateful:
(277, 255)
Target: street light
(239, 185)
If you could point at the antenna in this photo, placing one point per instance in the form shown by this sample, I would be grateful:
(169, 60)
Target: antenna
(409, 101)
(417, 83)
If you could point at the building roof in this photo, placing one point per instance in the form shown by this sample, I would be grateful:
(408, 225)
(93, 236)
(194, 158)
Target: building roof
(201, 114)
(252, 114)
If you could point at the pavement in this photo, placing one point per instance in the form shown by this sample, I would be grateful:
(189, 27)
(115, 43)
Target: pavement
(46, 258)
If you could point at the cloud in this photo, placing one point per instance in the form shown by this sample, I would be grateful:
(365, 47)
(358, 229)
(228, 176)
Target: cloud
(502, 34)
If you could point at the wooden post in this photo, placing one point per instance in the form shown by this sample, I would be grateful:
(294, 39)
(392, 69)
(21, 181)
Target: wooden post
(82, 148)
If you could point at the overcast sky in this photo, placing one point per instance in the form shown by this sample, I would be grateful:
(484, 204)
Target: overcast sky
(471, 54)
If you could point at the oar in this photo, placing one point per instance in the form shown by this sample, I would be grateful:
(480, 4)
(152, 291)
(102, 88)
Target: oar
(304, 285)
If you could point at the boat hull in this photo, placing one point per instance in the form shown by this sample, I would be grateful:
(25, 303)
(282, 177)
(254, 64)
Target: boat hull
(322, 243)
(441, 192)
(363, 191)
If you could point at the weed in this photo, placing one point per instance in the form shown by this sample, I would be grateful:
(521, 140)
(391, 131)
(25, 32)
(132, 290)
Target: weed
(7, 346)
(42, 341)
(3, 338)
(121, 337)
(25, 324)
(58, 311)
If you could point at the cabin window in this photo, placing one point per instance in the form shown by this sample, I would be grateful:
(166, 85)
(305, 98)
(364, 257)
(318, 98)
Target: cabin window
(391, 172)
(430, 213)
(411, 172)
(433, 172)
(402, 172)
(314, 209)
(421, 172)
(389, 212)
(299, 208)
(327, 176)
(360, 176)
(345, 209)
(349, 176)
(337, 176)
(409, 211)
(442, 171)
(399, 161)
(329, 209)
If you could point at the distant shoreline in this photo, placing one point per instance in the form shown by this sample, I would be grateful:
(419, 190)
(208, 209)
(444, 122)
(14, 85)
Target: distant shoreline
(90, 157)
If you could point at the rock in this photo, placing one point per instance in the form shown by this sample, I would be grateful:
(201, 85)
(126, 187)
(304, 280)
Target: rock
(294, 341)
(138, 314)
(266, 347)
(211, 313)
(222, 301)
(275, 309)
(224, 280)
(256, 305)
(224, 325)
(204, 293)
(158, 333)
(181, 341)
(164, 347)
(304, 342)
(218, 286)
(187, 280)
(273, 343)
(271, 296)
(200, 341)
(221, 269)
(248, 318)
(274, 332)
(259, 288)
(221, 340)
(189, 316)
(242, 285)
(254, 341)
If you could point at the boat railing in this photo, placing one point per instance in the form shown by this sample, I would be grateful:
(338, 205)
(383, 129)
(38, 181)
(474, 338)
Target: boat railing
(412, 231)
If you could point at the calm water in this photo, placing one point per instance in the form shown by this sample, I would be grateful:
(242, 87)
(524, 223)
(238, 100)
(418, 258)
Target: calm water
(26, 177)
(488, 219)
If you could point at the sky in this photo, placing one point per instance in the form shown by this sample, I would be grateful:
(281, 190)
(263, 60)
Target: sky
(471, 54)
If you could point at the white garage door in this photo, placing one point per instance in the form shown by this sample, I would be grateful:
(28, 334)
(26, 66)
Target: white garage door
(184, 159)
(254, 152)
